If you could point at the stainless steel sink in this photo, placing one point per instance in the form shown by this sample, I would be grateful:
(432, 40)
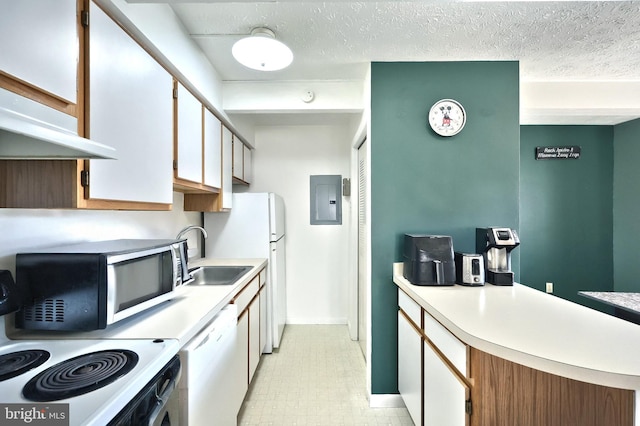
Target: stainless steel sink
(217, 275)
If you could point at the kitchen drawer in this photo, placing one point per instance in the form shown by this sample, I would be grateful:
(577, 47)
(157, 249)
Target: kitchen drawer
(244, 296)
(410, 307)
(447, 343)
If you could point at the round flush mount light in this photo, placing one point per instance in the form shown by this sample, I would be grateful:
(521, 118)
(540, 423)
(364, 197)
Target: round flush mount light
(261, 51)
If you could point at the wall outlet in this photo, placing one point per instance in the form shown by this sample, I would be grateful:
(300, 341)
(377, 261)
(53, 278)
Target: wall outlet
(549, 288)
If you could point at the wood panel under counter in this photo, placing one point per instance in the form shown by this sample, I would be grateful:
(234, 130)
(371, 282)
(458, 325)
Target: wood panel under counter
(536, 359)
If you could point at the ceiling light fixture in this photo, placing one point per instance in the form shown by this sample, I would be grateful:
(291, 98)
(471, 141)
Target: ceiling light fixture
(261, 51)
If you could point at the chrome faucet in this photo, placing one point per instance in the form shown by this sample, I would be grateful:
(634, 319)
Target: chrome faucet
(189, 228)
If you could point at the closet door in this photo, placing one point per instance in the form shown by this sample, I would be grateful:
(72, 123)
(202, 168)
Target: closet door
(362, 248)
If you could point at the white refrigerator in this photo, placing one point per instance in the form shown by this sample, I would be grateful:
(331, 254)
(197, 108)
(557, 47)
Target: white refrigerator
(255, 228)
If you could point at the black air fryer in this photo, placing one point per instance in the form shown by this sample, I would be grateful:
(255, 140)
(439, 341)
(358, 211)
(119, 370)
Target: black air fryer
(428, 260)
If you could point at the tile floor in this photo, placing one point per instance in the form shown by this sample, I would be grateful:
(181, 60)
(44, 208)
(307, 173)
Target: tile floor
(316, 378)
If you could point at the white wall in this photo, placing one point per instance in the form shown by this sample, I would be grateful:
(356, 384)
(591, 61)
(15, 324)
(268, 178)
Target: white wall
(24, 229)
(167, 37)
(317, 256)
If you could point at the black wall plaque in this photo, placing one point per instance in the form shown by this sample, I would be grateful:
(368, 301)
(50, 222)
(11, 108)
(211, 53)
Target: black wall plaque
(557, 152)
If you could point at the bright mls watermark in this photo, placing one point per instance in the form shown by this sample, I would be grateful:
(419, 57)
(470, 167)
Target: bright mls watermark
(34, 414)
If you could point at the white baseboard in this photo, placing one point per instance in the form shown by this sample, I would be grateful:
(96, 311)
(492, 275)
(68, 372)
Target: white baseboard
(317, 321)
(386, 401)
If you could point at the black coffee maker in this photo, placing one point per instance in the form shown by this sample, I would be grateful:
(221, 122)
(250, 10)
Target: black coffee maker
(428, 260)
(495, 245)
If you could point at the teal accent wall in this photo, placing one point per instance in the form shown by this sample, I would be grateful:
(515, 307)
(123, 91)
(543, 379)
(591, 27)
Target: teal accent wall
(566, 212)
(626, 206)
(421, 182)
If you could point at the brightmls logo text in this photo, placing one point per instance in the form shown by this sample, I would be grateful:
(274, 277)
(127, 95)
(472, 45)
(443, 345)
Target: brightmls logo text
(34, 414)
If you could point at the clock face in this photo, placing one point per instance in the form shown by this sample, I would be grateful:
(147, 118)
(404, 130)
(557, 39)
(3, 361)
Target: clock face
(447, 117)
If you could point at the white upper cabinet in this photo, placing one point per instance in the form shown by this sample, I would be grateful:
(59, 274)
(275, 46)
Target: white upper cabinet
(248, 164)
(212, 150)
(189, 135)
(227, 159)
(131, 109)
(238, 162)
(241, 162)
(51, 66)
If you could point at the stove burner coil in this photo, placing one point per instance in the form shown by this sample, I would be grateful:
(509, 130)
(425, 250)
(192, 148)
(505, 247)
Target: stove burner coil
(15, 363)
(80, 375)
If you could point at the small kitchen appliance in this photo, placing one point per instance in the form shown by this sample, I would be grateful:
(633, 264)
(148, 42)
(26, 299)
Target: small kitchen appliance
(11, 296)
(469, 269)
(87, 286)
(428, 259)
(496, 245)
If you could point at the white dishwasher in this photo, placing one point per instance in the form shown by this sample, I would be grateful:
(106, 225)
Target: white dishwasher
(209, 382)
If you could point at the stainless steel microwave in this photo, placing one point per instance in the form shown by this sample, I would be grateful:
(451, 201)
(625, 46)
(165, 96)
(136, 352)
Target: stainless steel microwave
(87, 286)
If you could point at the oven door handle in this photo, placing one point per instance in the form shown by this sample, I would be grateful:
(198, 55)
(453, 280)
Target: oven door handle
(161, 400)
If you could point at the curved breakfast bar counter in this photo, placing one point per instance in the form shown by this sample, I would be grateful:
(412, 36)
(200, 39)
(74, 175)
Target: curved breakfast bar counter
(547, 334)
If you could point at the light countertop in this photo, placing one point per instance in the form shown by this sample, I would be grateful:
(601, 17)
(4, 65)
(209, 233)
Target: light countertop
(179, 318)
(535, 329)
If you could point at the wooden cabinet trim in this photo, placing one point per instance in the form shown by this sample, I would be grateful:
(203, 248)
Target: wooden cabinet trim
(175, 130)
(29, 91)
(506, 393)
(243, 313)
(237, 296)
(39, 183)
(464, 381)
(413, 325)
(191, 187)
(97, 204)
(239, 181)
(202, 145)
(208, 202)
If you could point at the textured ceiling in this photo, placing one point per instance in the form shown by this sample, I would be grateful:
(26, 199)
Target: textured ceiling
(554, 41)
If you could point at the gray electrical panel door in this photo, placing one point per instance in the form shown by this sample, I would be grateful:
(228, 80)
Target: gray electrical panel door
(326, 200)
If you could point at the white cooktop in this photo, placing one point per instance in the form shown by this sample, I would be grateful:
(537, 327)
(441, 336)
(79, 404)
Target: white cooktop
(99, 406)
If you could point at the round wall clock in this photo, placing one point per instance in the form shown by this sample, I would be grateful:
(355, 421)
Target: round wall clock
(447, 117)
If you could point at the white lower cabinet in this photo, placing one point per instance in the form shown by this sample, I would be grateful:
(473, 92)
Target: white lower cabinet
(432, 368)
(444, 395)
(248, 348)
(263, 318)
(241, 383)
(254, 337)
(410, 368)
